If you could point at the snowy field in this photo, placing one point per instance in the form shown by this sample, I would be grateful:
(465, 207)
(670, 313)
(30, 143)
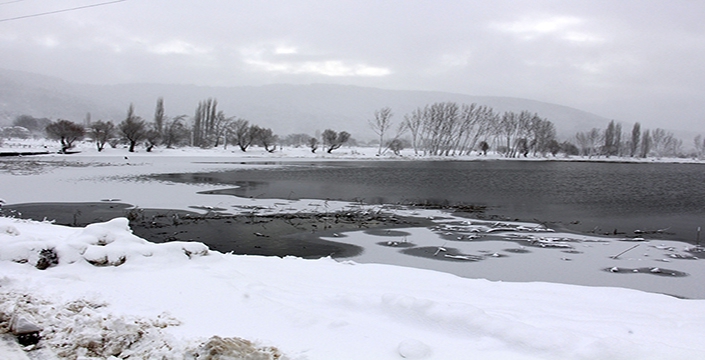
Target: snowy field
(109, 293)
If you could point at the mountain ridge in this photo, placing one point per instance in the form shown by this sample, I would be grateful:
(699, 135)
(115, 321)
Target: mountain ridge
(286, 108)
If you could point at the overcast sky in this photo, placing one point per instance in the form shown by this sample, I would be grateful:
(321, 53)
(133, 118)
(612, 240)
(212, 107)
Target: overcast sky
(625, 60)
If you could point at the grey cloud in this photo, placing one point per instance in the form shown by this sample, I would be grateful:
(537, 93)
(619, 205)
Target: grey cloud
(628, 60)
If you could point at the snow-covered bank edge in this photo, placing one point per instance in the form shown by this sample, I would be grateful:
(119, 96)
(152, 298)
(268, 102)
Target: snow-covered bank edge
(110, 293)
(87, 149)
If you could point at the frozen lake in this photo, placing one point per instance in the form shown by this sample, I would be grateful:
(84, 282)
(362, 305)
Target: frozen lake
(580, 196)
(571, 196)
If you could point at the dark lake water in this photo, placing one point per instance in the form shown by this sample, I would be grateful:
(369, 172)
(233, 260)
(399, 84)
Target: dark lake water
(579, 196)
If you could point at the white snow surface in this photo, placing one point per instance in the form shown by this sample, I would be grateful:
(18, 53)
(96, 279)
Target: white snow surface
(163, 300)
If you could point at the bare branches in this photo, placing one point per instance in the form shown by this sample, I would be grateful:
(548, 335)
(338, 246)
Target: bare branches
(381, 123)
(446, 129)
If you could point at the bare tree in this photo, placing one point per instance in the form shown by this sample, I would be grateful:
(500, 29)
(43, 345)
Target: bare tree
(618, 148)
(101, 132)
(636, 140)
(542, 134)
(396, 146)
(152, 138)
(334, 140)
(589, 141)
(208, 124)
(645, 144)
(396, 142)
(581, 139)
(673, 146)
(133, 128)
(381, 123)
(594, 138)
(508, 128)
(159, 116)
(242, 133)
(313, 144)
(267, 139)
(175, 131)
(414, 122)
(664, 143)
(699, 146)
(609, 148)
(66, 132)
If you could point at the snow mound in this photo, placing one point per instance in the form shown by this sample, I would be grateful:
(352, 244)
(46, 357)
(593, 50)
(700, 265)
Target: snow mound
(102, 244)
(82, 329)
(414, 349)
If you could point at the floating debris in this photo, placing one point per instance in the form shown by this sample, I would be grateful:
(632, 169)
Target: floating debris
(521, 250)
(397, 244)
(500, 229)
(572, 251)
(649, 271)
(637, 238)
(683, 257)
(623, 252)
(459, 257)
(440, 248)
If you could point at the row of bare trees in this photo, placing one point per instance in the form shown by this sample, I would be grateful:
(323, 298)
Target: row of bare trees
(208, 128)
(439, 129)
(611, 142)
(447, 129)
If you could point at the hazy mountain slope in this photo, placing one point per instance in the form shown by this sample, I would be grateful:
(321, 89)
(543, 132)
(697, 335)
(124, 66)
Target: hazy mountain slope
(44, 96)
(284, 108)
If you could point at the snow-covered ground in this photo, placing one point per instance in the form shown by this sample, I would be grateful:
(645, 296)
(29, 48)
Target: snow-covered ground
(343, 153)
(115, 294)
(112, 293)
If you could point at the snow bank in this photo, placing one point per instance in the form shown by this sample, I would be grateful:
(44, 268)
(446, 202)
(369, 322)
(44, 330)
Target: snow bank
(84, 327)
(105, 244)
(110, 293)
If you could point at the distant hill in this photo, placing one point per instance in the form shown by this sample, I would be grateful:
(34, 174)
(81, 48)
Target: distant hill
(285, 108)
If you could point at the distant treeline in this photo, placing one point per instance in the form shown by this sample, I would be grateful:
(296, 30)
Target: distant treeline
(438, 129)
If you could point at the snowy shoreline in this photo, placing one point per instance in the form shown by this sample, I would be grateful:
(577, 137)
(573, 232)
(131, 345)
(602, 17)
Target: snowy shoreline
(47, 148)
(314, 309)
(307, 309)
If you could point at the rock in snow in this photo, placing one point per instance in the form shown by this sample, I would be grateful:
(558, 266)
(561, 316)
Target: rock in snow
(26, 330)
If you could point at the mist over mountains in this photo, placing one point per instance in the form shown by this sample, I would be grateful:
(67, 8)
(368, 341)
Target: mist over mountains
(284, 108)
